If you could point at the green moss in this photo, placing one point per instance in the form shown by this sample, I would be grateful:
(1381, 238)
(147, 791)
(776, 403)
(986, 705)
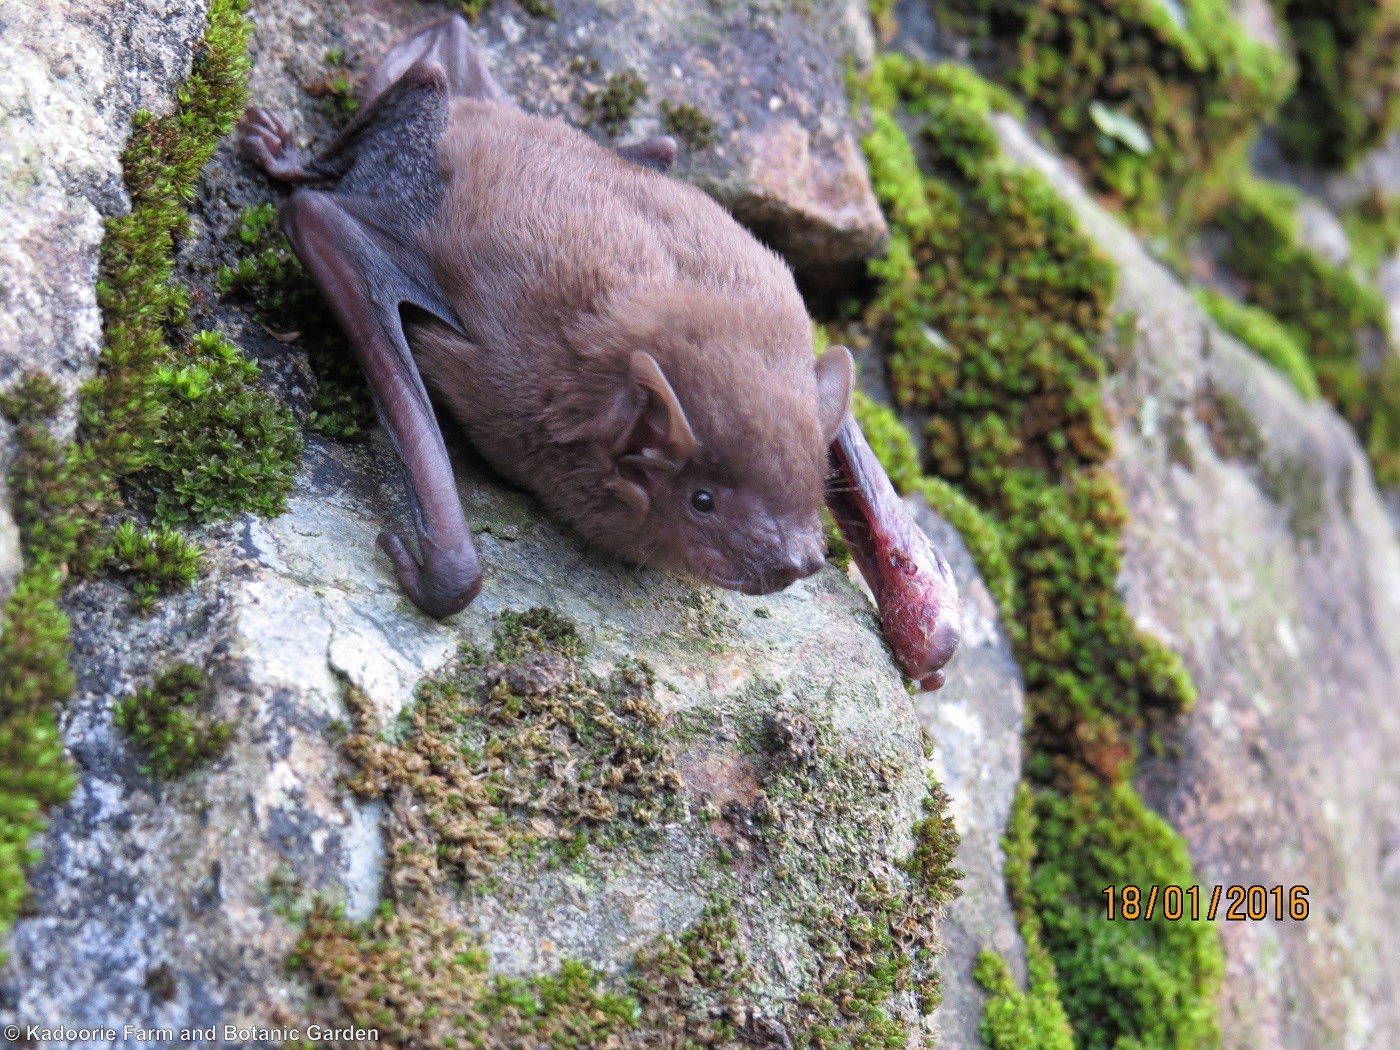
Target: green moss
(158, 561)
(422, 980)
(1145, 983)
(532, 756)
(688, 124)
(270, 279)
(1014, 1019)
(134, 429)
(1348, 94)
(611, 106)
(1373, 227)
(1324, 307)
(224, 446)
(500, 771)
(164, 721)
(1263, 334)
(336, 90)
(993, 307)
(1144, 104)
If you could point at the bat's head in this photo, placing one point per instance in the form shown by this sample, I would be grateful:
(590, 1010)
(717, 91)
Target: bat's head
(723, 461)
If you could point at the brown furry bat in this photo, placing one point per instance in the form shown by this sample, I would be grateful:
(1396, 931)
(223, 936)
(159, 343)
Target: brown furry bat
(609, 338)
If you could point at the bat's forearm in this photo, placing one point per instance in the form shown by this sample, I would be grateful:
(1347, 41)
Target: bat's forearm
(339, 255)
(911, 581)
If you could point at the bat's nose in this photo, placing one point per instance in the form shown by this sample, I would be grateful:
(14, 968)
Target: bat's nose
(795, 566)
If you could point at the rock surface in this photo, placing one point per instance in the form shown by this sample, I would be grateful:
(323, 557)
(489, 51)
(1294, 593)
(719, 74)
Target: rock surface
(75, 71)
(1259, 549)
(975, 722)
(783, 154)
(140, 879)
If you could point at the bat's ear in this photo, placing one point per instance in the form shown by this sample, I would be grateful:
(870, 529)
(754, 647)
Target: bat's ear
(835, 378)
(661, 435)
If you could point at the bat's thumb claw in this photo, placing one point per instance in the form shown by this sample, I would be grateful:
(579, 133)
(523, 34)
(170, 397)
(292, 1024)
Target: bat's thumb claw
(444, 584)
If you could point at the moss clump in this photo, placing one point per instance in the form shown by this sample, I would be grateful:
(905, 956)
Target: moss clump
(1014, 1019)
(1373, 227)
(688, 124)
(1037, 1018)
(270, 279)
(224, 446)
(158, 561)
(1265, 335)
(611, 106)
(129, 432)
(335, 89)
(536, 629)
(993, 306)
(530, 757)
(1348, 94)
(164, 721)
(1146, 104)
(1324, 307)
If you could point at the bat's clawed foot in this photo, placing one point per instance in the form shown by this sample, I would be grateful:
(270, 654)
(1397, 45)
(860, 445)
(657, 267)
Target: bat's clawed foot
(446, 581)
(266, 137)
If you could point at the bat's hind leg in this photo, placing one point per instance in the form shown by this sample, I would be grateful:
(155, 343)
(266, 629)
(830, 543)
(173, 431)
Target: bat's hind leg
(448, 44)
(266, 137)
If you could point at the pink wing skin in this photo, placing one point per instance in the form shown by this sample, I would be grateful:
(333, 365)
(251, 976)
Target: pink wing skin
(920, 611)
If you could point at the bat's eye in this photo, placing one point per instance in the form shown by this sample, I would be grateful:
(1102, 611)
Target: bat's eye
(702, 501)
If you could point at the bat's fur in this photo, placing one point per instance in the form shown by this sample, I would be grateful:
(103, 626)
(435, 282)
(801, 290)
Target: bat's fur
(563, 260)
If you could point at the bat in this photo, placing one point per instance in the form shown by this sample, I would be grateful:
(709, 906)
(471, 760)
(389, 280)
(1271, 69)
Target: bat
(608, 337)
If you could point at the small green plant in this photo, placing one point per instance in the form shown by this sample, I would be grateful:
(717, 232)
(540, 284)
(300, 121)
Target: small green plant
(1150, 98)
(271, 281)
(611, 106)
(1324, 307)
(1373, 227)
(166, 722)
(65, 493)
(688, 124)
(158, 560)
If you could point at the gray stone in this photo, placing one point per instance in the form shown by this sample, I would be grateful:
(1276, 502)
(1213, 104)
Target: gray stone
(1277, 577)
(770, 75)
(975, 722)
(136, 876)
(1320, 230)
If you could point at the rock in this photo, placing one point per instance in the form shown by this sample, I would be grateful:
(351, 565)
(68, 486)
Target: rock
(975, 723)
(771, 136)
(189, 881)
(1321, 231)
(1268, 561)
(76, 72)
